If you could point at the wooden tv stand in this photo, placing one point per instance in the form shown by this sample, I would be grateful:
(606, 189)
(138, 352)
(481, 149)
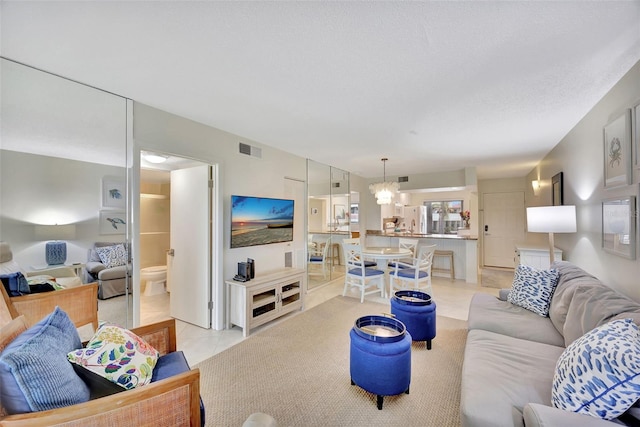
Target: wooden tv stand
(264, 298)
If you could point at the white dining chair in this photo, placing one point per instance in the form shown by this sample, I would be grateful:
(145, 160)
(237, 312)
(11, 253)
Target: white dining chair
(367, 279)
(356, 241)
(403, 243)
(319, 255)
(415, 275)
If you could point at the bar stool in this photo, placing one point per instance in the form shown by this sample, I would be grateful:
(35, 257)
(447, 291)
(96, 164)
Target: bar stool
(446, 254)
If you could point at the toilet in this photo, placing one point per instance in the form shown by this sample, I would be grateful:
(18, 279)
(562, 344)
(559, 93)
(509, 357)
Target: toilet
(155, 278)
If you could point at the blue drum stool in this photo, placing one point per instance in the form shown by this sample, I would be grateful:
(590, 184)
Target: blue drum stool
(380, 356)
(418, 313)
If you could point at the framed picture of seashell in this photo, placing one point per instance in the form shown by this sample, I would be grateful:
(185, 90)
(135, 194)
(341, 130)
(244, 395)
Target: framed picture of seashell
(617, 151)
(113, 192)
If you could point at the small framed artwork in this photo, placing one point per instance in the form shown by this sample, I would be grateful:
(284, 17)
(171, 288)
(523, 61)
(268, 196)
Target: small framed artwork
(557, 198)
(635, 132)
(314, 211)
(339, 212)
(619, 226)
(113, 192)
(354, 213)
(112, 222)
(617, 151)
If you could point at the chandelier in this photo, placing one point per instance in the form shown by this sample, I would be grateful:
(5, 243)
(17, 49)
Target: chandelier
(384, 191)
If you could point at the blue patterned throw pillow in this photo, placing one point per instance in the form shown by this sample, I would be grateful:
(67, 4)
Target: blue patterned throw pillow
(112, 256)
(599, 373)
(532, 288)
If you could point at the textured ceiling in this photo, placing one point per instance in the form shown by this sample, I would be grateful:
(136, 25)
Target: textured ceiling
(433, 86)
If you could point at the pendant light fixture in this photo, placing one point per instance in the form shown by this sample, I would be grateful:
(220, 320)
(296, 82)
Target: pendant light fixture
(384, 191)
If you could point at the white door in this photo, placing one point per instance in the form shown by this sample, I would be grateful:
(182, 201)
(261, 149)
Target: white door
(190, 269)
(503, 227)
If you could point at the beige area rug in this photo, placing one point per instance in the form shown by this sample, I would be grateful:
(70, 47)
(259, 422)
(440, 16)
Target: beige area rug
(298, 372)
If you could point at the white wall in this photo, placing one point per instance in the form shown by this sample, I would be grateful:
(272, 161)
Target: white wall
(239, 174)
(50, 190)
(580, 157)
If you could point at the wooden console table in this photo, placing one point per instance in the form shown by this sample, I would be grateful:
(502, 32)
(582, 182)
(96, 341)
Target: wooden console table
(264, 298)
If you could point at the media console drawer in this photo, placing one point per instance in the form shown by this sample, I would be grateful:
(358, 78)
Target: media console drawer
(265, 298)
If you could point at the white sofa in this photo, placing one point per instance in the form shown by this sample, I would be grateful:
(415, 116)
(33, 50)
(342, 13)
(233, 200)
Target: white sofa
(511, 352)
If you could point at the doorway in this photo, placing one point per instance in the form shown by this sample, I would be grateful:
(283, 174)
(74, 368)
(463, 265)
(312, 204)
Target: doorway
(176, 235)
(503, 227)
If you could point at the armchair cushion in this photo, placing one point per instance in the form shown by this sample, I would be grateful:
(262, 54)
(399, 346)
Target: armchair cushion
(118, 272)
(119, 355)
(112, 256)
(34, 372)
(173, 364)
(94, 267)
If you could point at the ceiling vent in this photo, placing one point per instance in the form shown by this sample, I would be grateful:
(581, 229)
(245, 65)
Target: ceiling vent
(250, 151)
(403, 179)
(336, 185)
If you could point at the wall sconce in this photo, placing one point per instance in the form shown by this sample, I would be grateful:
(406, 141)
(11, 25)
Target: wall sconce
(536, 186)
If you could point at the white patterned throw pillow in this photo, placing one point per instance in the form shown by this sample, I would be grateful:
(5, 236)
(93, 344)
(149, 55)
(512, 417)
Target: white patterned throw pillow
(532, 288)
(112, 256)
(118, 355)
(599, 373)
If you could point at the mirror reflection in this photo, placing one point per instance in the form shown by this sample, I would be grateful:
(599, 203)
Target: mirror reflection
(63, 186)
(329, 222)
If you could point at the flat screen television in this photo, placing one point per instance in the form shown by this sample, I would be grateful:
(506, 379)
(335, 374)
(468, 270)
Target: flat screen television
(260, 221)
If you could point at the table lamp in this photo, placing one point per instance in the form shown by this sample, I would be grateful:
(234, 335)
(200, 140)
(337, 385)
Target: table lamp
(56, 250)
(551, 219)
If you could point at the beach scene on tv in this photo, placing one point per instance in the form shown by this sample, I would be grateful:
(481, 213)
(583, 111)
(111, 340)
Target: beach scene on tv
(260, 221)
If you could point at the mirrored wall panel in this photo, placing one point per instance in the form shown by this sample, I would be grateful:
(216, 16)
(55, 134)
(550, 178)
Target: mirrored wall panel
(329, 222)
(63, 183)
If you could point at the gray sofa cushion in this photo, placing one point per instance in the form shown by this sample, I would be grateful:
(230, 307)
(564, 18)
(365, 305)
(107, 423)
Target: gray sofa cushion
(488, 313)
(502, 374)
(571, 276)
(592, 306)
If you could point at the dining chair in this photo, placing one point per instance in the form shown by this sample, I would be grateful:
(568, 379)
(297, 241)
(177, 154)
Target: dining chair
(410, 244)
(356, 241)
(415, 275)
(368, 280)
(318, 255)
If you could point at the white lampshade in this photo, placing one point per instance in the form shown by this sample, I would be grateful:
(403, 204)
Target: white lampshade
(551, 219)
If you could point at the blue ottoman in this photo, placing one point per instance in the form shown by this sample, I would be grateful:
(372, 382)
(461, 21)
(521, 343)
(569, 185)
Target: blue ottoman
(418, 313)
(380, 356)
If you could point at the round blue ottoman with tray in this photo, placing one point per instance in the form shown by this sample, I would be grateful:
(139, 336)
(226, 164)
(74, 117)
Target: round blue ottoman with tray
(380, 356)
(418, 313)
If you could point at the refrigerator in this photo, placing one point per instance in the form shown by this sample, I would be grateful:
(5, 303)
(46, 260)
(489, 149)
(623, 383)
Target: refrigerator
(415, 219)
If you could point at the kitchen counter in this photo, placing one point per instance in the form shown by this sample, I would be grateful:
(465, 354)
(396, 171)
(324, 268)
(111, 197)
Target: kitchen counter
(420, 236)
(465, 250)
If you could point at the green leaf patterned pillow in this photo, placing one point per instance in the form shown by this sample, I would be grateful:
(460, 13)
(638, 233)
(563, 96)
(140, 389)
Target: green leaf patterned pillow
(119, 355)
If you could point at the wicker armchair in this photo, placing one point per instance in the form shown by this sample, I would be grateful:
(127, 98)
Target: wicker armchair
(173, 401)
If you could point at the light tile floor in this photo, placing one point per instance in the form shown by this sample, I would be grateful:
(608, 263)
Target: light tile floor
(452, 299)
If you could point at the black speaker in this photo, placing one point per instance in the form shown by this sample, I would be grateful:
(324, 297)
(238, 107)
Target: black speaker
(243, 272)
(252, 268)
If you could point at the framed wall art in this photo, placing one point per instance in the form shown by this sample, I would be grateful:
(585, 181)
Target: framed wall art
(617, 151)
(113, 192)
(112, 222)
(557, 198)
(619, 226)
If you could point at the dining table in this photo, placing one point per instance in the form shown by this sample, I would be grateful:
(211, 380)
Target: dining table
(382, 255)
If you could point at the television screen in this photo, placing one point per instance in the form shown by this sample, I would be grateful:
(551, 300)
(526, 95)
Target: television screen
(260, 221)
